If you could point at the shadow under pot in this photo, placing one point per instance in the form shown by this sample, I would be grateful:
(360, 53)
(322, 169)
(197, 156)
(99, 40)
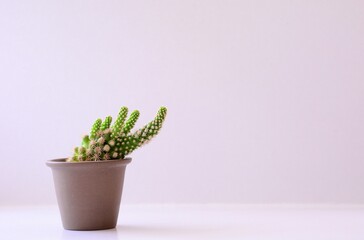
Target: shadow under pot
(89, 193)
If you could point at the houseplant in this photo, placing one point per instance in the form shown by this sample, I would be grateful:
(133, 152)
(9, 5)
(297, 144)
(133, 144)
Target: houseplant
(89, 183)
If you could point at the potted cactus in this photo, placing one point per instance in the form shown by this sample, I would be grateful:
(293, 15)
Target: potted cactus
(89, 183)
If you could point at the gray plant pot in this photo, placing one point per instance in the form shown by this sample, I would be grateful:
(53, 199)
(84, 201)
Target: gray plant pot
(89, 193)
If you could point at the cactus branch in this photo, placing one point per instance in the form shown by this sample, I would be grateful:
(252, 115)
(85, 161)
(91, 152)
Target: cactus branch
(85, 141)
(106, 123)
(95, 128)
(151, 129)
(118, 125)
(131, 121)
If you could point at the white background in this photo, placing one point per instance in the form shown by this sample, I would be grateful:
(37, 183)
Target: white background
(265, 98)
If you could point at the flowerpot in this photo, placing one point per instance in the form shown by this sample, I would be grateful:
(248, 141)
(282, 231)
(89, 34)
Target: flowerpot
(88, 193)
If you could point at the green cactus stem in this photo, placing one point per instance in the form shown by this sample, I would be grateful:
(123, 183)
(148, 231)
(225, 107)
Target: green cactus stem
(95, 128)
(131, 121)
(106, 123)
(118, 125)
(85, 141)
(144, 135)
(151, 129)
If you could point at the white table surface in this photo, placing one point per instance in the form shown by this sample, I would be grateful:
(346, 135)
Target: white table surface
(277, 222)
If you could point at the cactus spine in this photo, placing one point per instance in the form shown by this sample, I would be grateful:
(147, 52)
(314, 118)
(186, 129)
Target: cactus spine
(107, 142)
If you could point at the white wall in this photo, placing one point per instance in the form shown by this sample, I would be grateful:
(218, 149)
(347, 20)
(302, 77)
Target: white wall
(265, 98)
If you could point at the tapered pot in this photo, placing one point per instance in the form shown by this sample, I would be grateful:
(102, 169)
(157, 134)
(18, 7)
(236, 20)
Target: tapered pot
(88, 193)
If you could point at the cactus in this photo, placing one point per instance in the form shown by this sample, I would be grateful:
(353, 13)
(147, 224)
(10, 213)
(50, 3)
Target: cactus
(107, 142)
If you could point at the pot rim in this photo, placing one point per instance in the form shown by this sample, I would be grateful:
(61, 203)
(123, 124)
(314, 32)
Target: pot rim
(61, 162)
